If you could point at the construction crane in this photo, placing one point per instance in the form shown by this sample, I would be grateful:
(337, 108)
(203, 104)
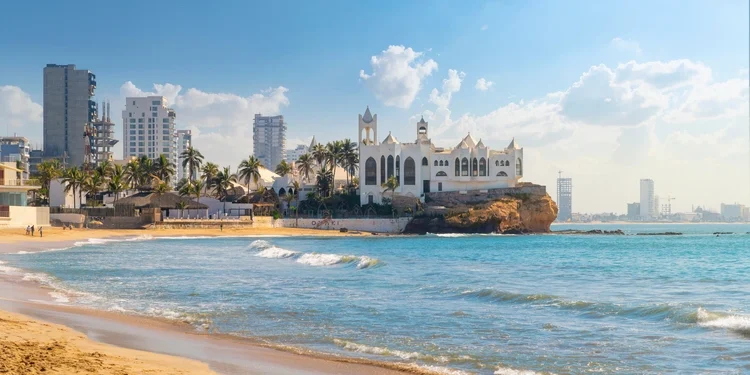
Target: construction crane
(667, 208)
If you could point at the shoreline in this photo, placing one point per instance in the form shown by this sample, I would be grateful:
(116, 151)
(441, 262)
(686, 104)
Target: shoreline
(161, 337)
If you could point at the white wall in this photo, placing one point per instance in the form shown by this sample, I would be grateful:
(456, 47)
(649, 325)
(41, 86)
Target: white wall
(59, 198)
(21, 217)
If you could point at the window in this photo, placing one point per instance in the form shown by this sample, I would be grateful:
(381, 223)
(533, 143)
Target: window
(132, 132)
(390, 166)
(140, 121)
(371, 171)
(440, 186)
(132, 149)
(441, 174)
(140, 144)
(132, 138)
(436, 163)
(519, 167)
(425, 162)
(382, 170)
(409, 171)
(132, 121)
(464, 167)
(155, 102)
(133, 102)
(154, 114)
(140, 132)
(458, 167)
(474, 170)
(165, 138)
(497, 163)
(165, 120)
(446, 163)
(502, 174)
(140, 150)
(398, 167)
(165, 131)
(165, 149)
(482, 167)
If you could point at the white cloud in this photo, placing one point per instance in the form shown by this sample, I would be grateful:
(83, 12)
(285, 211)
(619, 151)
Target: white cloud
(451, 85)
(18, 113)
(483, 84)
(397, 75)
(484, 27)
(627, 45)
(221, 123)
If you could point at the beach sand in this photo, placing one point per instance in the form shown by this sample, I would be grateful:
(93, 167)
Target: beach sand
(39, 336)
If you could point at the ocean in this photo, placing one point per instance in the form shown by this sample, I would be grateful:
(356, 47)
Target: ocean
(474, 304)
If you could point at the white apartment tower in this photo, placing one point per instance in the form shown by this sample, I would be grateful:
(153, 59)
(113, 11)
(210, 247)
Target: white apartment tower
(647, 199)
(269, 140)
(148, 128)
(183, 139)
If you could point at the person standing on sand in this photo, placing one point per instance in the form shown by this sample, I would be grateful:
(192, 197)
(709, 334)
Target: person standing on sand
(40, 232)
(32, 231)
(28, 229)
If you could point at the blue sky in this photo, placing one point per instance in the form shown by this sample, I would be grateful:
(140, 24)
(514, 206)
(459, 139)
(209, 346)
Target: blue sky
(231, 50)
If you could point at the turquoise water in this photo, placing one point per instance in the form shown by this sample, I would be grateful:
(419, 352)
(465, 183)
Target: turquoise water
(462, 304)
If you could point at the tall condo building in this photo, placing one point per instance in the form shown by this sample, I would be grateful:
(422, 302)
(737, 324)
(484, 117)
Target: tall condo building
(647, 199)
(148, 129)
(269, 140)
(183, 140)
(68, 109)
(564, 198)
(16, 149)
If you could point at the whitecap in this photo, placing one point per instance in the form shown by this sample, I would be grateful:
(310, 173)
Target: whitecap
(452, 235)
(512, 371)
(260, 244)
(735, 323)
(367, 262)
(361, 348)
(274, 252)
(316, 259)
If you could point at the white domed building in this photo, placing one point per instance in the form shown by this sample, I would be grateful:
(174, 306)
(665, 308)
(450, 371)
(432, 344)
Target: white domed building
(421, 167)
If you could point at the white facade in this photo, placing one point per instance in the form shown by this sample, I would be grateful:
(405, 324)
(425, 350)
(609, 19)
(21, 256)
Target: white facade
(647, 199)
(293, 155)
(422, 167)
(148, 128)
(269, 139)
(183, 140)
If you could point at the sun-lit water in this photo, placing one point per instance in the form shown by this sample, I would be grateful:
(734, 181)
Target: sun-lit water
(477, 304)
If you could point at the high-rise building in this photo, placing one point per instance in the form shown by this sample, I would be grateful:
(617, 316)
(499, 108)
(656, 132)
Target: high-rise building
(184, 140)
(647, 199)
(269, 140)
(16, 149)
(101, 138)
(68, 109)
(148, 129)
(732, 212)
(564, 198)
(292, 155)
(634, 211)
(35, 158)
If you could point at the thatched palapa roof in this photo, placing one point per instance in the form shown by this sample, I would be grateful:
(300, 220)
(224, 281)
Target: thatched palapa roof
(165, 201)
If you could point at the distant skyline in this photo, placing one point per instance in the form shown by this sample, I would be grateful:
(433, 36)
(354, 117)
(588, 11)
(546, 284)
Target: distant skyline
(609, 93)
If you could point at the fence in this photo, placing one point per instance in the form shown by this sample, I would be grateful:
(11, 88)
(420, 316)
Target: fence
(127, 210)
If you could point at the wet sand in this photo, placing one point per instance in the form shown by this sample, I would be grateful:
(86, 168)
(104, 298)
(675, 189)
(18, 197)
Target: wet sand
(114, 341)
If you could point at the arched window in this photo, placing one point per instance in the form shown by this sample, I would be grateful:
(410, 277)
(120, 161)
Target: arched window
(436, 163)
(519, 167)
(382, 170)
(446, 163)
(282, 192)
(425, 162)
(497, 163)
(441, 162)
(464, 167)
(390, 166)
(441, 174)
(482, 167)
(474, 169)
(371, 170)
(398, 167)
(458, 167)
(506, 163)
(502, 174)
(409, 172)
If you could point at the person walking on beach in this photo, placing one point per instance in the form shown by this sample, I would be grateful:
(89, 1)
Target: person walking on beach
(28, 229)
(32, 231)
(40, 232)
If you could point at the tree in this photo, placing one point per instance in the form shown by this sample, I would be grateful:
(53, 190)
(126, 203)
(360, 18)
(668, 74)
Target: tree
(223, 182)
(390, 185)
(324, 181)
(209, 172)
(181, 183)
(305, 166)
(160, 186)
(249, 170)
(73, 178)
(320, 153)
(349, 159)
(93, 184)
(49, 170)
(116, 185)
(131, 174)
(164, 169)
(197, 187)
(294, 192)
(182, 205)
(283, 168)
(192, 159)
(105, 169)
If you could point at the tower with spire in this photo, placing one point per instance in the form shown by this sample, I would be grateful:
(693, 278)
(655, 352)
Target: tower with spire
(368, 128)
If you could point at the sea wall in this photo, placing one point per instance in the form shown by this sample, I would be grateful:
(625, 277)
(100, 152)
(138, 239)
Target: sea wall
(379, 225)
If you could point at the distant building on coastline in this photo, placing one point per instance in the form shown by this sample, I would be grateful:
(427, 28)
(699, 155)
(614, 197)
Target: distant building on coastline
(148, 127)
(269, 139)
(732, 212)
(183, 140)
(68, 109)
(634, 211)
(292, 155)
(421, 167)
(16, 149)
(564, 198)
(35, 158)
(647, 199)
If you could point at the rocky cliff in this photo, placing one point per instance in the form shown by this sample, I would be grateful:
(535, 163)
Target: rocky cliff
(510, 213)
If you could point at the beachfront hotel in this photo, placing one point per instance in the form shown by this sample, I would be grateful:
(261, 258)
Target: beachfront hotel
(421, 167)
(148, 128)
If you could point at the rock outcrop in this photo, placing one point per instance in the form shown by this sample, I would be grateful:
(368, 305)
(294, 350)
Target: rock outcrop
(514, 213)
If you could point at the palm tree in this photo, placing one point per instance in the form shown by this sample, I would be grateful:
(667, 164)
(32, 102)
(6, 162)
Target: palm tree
(305, 166)
(163, 168)
(105, 168)
(116, 184)
(249, 170)
(48, 171)
(390, 185)
(197, 187)
(71, 178)
(93, 184)
(192, 159)
(182, 205)
(324, 179)
(349, 159)
(320, 154)
(224, 181)
(160, 186)
(283, 168)
(144, 172)
(210, 170)
(131, 174)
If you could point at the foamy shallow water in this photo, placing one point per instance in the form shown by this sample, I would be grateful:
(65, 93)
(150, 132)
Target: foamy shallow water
(454, 304)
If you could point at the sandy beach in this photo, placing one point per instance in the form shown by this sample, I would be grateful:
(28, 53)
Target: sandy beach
(39, 336)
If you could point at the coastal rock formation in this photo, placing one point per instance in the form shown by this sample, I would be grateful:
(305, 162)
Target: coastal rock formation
(512, 213)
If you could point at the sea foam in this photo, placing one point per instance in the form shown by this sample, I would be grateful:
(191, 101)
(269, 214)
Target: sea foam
(735, 323)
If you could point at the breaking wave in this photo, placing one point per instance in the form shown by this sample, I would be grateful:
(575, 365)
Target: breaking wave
(268, 250)
(739, 324)
(276, 253)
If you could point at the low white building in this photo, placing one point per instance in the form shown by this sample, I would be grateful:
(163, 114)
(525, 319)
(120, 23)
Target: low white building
(58, 197)
(422, 167)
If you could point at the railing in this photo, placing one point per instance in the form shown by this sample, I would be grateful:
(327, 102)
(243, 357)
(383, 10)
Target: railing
(18, 182)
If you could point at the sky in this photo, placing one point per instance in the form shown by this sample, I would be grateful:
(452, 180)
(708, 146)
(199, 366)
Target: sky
(606, 92)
